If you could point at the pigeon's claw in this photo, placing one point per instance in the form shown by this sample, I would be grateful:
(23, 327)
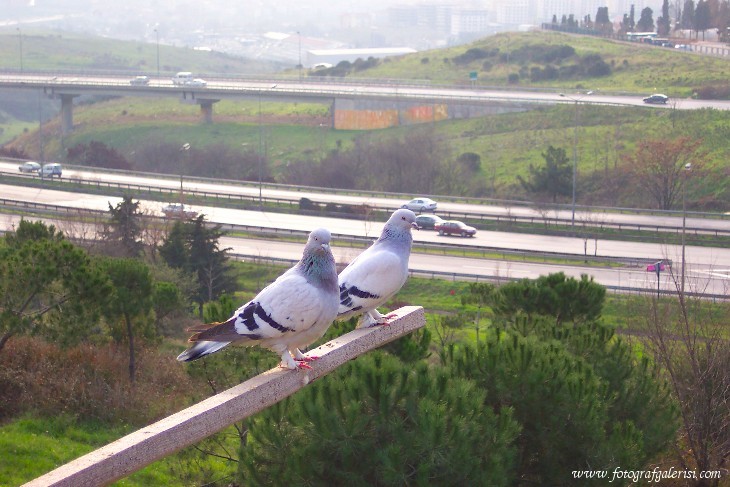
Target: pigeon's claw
(311, 358)
(302, 364)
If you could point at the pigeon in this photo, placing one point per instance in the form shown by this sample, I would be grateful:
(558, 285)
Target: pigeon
(290, 313)
(379, 272)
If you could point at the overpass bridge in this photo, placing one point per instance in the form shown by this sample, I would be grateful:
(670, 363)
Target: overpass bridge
(359, 105)
(354, 104)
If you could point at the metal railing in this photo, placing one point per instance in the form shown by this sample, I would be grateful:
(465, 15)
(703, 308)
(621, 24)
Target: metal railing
(359, 241)
(484, 217)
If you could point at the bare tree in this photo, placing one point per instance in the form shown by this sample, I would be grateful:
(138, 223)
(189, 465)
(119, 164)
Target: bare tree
(658, 166)
(688, 340)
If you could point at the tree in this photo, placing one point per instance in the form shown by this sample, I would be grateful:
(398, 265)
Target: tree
(658, 167)
(603, 21)
(209, 261)
(702, 18)
(97, 154)
(41, 274)
(632, 18)
(646, 21)
(582, 400)
(554, 178)
(687, 338)
(568, 300)
(130, 301)
(377, 421)
(194, 247)
(123, 232)
(166, 299)
(663, 23)
(688, 13)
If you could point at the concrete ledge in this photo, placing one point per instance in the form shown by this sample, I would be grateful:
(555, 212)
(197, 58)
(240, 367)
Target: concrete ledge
(136, 450)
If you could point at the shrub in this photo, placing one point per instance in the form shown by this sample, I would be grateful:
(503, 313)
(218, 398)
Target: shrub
(88, 381)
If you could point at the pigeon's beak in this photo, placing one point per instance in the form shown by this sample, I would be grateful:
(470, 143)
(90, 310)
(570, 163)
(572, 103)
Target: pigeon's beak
(325, 246)
(415, 225)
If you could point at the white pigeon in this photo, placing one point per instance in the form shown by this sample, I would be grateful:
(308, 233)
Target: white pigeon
(290, 313)
(379, 272)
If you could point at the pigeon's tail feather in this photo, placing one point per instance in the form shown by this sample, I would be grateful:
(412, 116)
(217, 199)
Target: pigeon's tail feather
(200, 349)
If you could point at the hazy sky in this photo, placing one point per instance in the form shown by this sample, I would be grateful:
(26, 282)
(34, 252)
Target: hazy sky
(420, 25)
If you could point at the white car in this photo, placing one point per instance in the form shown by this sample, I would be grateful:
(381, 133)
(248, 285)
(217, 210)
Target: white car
(196, 83)
(139, 81)
(30, 166)
(420, 205)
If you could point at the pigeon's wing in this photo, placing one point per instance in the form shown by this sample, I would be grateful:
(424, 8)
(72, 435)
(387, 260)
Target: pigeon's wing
(289, 305)
(370, 281)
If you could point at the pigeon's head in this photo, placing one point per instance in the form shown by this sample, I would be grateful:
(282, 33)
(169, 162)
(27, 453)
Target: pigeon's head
(319, 241)
(404, 219)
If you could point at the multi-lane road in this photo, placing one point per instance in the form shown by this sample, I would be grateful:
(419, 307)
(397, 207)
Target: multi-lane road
(707, 269)
(325, 90)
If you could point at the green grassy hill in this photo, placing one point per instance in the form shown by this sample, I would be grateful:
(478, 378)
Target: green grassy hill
(632, 67)
(44, 50)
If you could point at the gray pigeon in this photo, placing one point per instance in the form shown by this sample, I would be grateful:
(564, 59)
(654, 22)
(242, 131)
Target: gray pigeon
(288, 314)
(379, 272)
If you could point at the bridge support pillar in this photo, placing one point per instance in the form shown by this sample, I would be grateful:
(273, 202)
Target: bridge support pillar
(206, 110)
(67, 118)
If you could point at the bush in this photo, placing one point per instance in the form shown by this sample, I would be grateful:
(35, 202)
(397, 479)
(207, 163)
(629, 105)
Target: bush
(307, 204)
(88, 382)
(713, 92)
(473, 54)
(379, 422)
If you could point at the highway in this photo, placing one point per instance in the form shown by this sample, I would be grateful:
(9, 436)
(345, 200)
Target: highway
(708, 269)
(315, 89)
(668, 219)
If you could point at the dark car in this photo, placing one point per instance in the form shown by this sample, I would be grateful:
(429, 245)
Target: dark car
(428, 221)
(657, 98)
(453, 227)
(178, 210)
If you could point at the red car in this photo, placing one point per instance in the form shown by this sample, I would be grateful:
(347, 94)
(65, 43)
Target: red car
(453, 227)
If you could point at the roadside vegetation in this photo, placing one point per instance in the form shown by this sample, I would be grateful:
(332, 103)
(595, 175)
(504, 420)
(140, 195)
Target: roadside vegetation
(77, 375)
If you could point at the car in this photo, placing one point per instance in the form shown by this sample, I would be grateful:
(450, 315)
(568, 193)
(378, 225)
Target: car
(428, 221)
(421, 204)
(139, 81)
(455, 227)
(51, 169)
(657, 267)
(178, 210)
(657, 98)
(30, 166)
(196, 83)
(182, 78)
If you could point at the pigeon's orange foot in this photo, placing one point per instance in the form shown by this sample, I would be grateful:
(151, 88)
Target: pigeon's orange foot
(302, 364)
(311, 358)
(385, 320)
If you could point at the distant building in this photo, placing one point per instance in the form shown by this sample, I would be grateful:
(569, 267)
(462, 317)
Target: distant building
(335, 56)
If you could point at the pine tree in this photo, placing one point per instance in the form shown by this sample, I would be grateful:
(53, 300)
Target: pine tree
(124, 229)
(378, 422)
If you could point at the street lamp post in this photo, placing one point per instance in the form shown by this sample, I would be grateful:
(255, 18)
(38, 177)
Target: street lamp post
(185, 149)
(575, 150)
(20, 46)
(157, 38)
(687, 169)
(261, 156)
(300, 55)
